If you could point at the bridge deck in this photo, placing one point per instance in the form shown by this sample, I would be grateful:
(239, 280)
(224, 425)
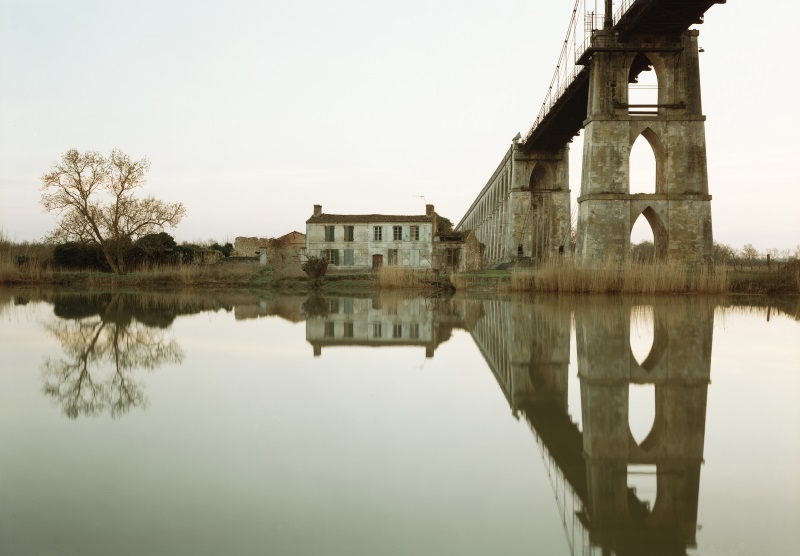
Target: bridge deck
(565, 118)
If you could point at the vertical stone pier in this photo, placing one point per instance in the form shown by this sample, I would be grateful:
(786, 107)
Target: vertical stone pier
(679, 212)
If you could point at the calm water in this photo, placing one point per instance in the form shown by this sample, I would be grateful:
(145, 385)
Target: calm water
(214, 424)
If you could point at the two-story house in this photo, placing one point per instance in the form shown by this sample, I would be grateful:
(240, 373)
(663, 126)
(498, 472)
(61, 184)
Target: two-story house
(352, 241)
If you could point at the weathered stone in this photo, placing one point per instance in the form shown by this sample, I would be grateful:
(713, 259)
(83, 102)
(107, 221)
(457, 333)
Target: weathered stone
(523, 211)
(679, 212)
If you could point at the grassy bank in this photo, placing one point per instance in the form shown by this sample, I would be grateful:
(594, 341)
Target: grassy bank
(230, 275)
(562, 277)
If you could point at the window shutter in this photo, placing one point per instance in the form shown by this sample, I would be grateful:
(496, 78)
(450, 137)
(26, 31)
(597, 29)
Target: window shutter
(336, 257)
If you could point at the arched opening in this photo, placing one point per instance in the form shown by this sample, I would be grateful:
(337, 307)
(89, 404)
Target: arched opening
(648, 238)
(538, 177)
(642, 86)
(642, 166)
(643, 245)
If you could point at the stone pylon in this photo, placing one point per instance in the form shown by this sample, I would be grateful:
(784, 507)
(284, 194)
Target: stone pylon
(539, 211)
(679, 212)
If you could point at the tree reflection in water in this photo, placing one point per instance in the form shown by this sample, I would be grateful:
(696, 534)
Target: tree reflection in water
(105, 342)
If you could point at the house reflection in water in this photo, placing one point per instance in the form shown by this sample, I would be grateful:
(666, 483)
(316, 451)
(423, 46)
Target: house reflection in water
(595, 469)
(380, 322)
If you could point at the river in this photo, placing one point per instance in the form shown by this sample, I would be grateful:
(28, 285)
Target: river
(236, 423)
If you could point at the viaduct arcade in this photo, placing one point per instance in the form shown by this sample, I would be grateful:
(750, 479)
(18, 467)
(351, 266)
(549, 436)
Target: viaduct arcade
(523, 212)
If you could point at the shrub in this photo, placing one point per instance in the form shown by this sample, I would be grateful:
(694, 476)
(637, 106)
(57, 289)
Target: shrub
(153, 249)
(226, 249)
(79, 256)
(315, 268)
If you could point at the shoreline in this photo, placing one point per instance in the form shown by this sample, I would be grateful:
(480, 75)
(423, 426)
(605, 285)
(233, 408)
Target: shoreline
(756, 282)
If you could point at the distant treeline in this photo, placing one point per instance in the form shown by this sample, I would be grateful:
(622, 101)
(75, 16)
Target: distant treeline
(150, 250)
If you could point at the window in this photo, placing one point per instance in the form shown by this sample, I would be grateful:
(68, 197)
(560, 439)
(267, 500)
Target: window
(397, 331)
(377, 233)
(329, 233)
(348, 306)
(397, 233)
(330, 255)
(414, 233)
(392, 258)
(413, 331)
(329, 329)
(348, 330)
(349, 233)
(377, 330)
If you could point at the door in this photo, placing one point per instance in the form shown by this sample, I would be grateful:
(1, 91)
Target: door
(377, 261)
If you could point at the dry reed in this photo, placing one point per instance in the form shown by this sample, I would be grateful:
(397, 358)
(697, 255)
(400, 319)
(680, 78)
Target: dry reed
(569, 277)
(460, 281)
(401, 277)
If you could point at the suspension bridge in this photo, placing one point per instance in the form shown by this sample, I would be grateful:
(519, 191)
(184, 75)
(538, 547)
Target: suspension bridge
(524, 212)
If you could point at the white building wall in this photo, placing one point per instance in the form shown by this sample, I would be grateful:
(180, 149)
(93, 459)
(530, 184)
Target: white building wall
(416, 253)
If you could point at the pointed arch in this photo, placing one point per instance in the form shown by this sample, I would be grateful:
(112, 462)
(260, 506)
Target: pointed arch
(644, 80)
(659, 154)
(541, 177)
(660, 234)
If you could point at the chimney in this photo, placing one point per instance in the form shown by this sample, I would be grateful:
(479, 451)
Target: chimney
(317, 210)
(428, 210)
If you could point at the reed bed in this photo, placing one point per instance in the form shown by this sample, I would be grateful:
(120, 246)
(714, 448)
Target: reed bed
(29, 272)
(402, 277)
(460, 282)
(569, 277)
(182, 275)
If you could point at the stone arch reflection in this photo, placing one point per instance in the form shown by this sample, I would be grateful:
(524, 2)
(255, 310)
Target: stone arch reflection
(614, 493)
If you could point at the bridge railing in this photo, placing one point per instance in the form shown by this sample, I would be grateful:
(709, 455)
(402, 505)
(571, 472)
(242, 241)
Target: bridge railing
(566, 68)
(624, 6)
(571, 51)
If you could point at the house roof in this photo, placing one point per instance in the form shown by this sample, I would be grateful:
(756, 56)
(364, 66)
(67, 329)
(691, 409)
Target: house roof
(365, 218)
(292, 234)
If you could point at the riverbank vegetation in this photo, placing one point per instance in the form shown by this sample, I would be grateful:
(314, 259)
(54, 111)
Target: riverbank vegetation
(158, 263)
(633, 277)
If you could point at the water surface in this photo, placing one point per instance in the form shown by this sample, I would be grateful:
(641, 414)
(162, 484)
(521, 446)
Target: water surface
(239, 424)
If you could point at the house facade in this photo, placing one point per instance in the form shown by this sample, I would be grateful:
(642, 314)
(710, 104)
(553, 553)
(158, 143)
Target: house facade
(358, 241)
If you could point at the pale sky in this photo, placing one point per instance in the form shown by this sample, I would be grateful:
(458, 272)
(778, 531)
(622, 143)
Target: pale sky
(253, 111)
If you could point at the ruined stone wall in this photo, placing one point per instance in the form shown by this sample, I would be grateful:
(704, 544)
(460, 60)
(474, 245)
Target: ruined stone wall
(248, 246)
(472, 254)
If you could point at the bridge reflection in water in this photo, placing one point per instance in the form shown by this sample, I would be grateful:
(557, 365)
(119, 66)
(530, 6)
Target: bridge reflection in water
(596, 465)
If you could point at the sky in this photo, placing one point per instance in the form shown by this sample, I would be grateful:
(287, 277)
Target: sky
(251, 112)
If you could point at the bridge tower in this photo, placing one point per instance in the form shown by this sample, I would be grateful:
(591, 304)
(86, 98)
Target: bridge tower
(523, 211)
(679, 212)
(539, 220)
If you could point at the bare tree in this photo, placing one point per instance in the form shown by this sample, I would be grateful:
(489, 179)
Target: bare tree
(95, 196)
(724, 254)
(750, 254)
